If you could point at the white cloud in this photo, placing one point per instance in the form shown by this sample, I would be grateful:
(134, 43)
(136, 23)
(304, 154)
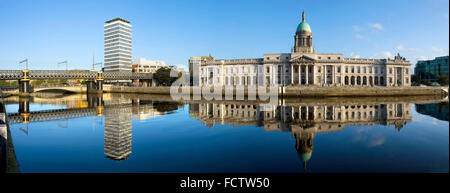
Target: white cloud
(400, 48)
(421, 58)
(439, 51)
(354, 55)
(414, 49)
(376, 26)
(360, 37)
(357, 28)
(383, 55)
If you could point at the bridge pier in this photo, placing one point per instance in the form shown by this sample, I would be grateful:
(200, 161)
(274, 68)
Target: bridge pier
(95, 100)
(96, 86)
(24, 82)
(24, 109)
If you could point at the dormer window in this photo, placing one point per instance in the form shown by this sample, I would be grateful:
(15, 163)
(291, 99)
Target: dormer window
(329, 58)
(278, 58)
(320, 57)
(339, 58)
(267, 58)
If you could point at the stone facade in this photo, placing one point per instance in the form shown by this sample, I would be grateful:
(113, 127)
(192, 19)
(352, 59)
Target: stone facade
(303, 67)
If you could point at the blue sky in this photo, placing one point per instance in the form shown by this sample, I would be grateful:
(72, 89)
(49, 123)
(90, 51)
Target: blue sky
(47, 32)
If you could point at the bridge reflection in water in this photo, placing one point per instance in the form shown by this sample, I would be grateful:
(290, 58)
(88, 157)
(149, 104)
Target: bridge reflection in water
(117, 116)
(304, 118)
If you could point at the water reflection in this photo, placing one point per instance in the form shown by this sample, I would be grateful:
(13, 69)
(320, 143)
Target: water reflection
(437, 110)
(304, 119)
(117, 111)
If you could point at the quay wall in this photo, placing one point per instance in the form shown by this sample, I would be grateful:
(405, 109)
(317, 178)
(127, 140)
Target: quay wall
(305, 91)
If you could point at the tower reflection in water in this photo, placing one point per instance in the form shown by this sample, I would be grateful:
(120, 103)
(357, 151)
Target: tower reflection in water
(302, 120)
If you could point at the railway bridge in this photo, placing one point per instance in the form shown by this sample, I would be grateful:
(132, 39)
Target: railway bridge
(95, 79)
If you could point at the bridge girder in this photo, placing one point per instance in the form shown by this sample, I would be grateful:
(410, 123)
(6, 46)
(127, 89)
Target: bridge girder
(62, 74)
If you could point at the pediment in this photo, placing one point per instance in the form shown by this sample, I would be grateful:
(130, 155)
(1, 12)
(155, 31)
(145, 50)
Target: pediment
(302, 58)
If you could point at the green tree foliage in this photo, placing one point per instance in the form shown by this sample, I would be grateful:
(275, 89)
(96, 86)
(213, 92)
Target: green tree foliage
(442, 79)
(162, 77)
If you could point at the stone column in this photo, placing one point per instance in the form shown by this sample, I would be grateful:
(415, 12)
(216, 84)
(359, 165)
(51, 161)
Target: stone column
(299, 74)
(292, 73)
(306, 74)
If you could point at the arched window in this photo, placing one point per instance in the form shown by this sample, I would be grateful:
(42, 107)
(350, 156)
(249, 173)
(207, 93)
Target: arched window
(346, 80)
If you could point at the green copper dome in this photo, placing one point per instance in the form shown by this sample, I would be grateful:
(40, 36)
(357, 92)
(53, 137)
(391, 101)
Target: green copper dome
(305, 156)
(303, 26)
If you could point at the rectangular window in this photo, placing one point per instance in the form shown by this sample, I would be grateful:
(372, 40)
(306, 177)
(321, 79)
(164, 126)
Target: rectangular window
(346, 69)
(370, 69)
(353, 69)
(364, 70)
(268, 69)
(359, 69)
(339, 69)
(390, 70)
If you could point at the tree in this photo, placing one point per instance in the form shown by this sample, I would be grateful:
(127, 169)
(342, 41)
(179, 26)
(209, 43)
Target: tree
(162, 76)
(442, 79)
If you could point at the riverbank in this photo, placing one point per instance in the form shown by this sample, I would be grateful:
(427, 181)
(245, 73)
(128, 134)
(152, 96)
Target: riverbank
(8, 161)
(286, 92)
(13, 165)
(293, 91)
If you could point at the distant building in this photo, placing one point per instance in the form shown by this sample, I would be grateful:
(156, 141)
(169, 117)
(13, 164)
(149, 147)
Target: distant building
(429, 69)
(303, 66)
(142, 65)
(196, 61)
(117, 43)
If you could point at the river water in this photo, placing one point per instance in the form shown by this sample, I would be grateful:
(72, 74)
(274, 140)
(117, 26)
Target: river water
(147, 133)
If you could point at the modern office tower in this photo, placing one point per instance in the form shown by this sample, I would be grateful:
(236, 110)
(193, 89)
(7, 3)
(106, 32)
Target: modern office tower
(117, 45)
(429, 69)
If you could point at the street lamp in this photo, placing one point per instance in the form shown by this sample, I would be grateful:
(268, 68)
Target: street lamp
(26, 60)
(64, 62)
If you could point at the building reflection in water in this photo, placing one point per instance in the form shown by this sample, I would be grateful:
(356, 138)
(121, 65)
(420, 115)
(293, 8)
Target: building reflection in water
(117, 131)
(436, 110)
(302, 120)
